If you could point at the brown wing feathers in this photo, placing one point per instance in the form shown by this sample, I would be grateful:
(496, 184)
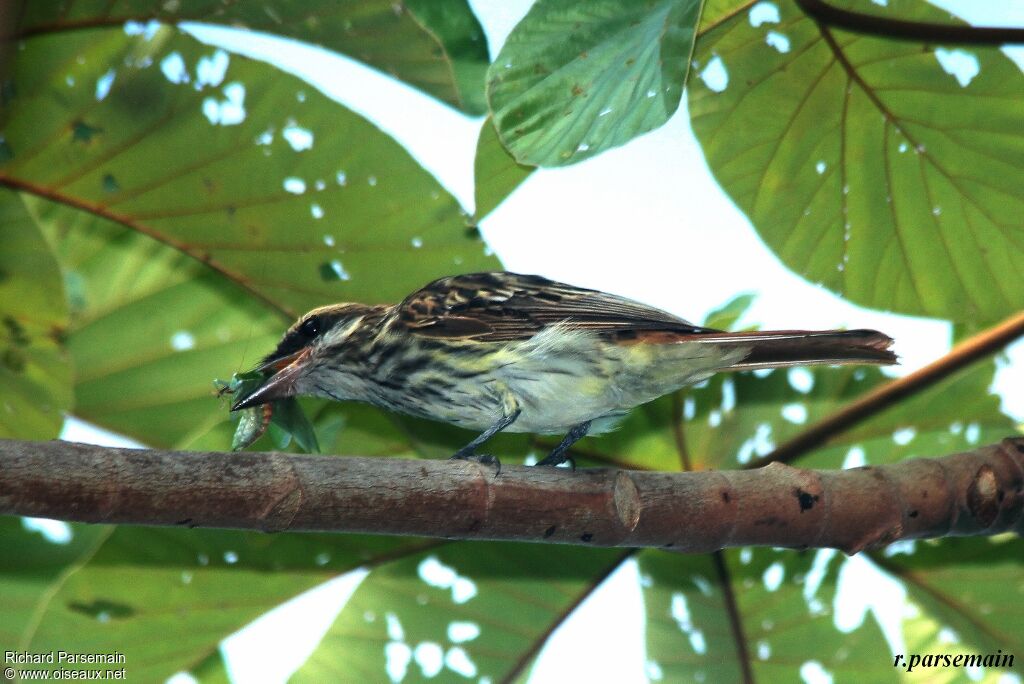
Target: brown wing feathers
(505, 306)
(501, 307)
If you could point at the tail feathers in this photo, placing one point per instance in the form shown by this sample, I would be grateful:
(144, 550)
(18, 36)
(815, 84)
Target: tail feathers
(780, 348)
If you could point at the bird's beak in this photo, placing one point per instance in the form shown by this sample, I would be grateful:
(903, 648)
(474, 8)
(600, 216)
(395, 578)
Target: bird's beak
(279, 385)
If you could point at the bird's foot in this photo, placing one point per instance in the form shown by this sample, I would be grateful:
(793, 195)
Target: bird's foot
(482, 459)
(554, 460)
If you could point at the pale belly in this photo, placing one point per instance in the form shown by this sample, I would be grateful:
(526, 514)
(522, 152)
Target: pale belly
(561, 379)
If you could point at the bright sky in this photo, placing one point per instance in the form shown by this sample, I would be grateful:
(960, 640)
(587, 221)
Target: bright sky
(646, 221)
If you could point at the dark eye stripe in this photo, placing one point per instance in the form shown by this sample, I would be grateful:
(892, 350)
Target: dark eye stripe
(316, 325)
(310, 327)
(299, 338)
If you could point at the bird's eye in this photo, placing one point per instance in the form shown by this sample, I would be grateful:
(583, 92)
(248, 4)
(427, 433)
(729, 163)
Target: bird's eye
(310, 327)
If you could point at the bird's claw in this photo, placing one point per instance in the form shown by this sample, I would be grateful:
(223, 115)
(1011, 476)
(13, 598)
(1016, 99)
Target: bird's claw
(558, 460)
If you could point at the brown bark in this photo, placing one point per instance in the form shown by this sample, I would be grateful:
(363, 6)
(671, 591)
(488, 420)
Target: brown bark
(980, 492)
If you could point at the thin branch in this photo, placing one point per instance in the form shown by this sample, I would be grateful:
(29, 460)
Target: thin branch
(962, 355)
(980, 492)
(735, 622)
(531, 652)
(901, 29)
(65, 26)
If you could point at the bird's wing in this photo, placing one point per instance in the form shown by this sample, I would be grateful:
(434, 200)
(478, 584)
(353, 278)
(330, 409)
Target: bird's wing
(502, 307)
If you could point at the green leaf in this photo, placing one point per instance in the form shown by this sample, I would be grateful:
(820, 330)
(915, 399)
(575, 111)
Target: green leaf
(213, 670)
(454, 25)
(238, 249)
(712, 617)
(971, 586)
(726, 316)
(357, 429)
(734, 419)
(288, 415)
(862, 163)
(716, 12)
(168, 224)
(487, 606)
(436, 46)
(31, 567)
(186, 324)
(495, 172)
(166, 597)
(259, 177)
(35, 375)
(574, 79)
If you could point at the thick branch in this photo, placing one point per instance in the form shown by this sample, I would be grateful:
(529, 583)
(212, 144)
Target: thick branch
(974, 493)
(900, 29)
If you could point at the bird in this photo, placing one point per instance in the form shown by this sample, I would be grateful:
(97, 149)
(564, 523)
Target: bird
(501, 351)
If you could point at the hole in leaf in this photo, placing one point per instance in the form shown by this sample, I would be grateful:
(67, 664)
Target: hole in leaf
(83, 132)
(333, 270)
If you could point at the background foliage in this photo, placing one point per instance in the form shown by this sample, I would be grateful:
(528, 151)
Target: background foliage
(167, 208)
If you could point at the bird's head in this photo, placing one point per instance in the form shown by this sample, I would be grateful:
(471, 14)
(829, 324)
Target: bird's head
(318, 350)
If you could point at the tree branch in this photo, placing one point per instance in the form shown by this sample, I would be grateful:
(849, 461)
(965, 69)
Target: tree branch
(900, 29)
(975, 493)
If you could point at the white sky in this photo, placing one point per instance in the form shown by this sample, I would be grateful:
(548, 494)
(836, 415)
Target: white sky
(646, 221)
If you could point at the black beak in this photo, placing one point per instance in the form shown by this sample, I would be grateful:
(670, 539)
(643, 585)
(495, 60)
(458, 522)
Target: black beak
(279, 385)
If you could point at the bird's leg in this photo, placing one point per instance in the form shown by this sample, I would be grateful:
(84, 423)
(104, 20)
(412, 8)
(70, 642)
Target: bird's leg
(468, 452)
(557, 454)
